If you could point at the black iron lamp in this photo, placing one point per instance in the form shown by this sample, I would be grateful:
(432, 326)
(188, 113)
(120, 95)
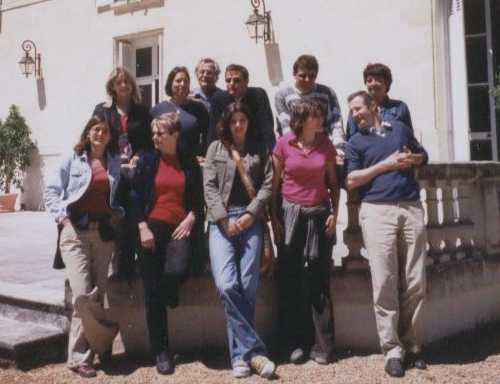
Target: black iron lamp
(30, 64)
(259, 24)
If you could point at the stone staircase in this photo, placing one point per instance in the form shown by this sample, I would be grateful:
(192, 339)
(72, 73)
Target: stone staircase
(33, 325)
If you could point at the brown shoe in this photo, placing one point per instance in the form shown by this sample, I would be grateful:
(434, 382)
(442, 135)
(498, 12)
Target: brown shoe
(85, 371)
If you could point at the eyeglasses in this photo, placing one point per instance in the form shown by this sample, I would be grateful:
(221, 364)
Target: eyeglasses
(235, 80)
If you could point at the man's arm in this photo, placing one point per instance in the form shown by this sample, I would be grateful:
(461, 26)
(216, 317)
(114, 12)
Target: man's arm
(336, 124)
(265, 118)
(397, 161)
(282, 111)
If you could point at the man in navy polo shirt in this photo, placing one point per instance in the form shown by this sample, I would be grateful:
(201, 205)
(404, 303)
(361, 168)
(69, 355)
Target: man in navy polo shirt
(380, 158)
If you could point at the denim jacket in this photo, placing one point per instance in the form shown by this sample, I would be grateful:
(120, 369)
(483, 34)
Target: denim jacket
(72, 179)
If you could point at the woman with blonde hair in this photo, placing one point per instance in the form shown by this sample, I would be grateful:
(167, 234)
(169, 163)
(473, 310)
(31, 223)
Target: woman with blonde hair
(129, 121)
(81, 198)
(167, 201)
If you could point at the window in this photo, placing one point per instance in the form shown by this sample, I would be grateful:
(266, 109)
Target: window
(482, 52)
(141, 56)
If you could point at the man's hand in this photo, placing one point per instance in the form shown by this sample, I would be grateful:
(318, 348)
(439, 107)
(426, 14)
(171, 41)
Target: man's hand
(397, 161)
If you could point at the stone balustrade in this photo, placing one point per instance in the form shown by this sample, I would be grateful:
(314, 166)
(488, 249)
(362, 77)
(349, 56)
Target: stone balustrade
(462, 206)
(461, 202)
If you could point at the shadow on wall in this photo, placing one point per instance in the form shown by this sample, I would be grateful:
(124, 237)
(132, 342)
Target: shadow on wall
(273, 60)
(33, 185)
(40, 88)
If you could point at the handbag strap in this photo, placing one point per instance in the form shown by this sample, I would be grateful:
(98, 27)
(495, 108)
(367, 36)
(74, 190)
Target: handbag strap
(245, 178)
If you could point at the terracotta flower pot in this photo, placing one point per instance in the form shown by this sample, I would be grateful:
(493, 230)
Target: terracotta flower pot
(8, 202)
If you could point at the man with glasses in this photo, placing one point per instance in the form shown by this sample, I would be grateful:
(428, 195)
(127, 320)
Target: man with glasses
(207, 72)
(305, 71)
(255, 98)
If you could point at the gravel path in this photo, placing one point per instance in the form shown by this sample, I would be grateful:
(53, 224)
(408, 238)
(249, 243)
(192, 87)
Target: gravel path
(470, 358)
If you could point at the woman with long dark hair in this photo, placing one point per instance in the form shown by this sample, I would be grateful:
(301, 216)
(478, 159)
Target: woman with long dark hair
(81, 198)
(235, 165)
(192, 113)
(167, 201)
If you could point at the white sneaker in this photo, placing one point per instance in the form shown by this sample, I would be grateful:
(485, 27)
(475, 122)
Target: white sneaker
(241, 369)
(263, 366)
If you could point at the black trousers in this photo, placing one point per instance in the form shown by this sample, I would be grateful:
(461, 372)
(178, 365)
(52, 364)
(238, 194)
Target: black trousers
(305, 308)
(160, 289)
(126, 233)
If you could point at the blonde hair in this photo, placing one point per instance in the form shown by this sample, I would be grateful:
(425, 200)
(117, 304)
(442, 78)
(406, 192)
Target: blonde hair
(170, 122)
(122, 72)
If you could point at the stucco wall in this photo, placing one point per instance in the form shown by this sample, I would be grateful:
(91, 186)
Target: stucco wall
(76, 43)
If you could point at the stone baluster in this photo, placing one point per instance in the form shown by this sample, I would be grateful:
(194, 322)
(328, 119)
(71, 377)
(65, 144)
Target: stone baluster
(449, 231)
(465, 224)
(433, 226)
(353, 238)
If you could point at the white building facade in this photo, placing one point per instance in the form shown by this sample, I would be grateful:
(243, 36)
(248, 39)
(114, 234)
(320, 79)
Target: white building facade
(443, 55)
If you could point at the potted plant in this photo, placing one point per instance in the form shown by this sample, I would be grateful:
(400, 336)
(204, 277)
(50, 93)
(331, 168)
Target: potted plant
(16, 148)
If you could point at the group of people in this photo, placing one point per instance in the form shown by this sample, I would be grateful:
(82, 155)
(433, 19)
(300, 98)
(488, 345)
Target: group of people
(140, 185)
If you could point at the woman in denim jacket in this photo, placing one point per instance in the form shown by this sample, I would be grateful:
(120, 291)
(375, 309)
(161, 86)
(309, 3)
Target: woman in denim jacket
(236, 234)
(167, 202)
(81, 198)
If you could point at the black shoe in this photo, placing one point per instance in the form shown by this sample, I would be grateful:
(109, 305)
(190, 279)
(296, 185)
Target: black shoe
(105, 357)
(415, 360)
(394, 367)
(165, 363)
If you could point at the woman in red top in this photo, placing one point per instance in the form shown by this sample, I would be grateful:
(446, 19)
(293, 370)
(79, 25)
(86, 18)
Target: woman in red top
(167, 200)
(81, 198)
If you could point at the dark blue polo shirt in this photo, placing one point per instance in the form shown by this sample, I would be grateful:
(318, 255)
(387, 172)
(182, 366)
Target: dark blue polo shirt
(366, 148)
(390, 110)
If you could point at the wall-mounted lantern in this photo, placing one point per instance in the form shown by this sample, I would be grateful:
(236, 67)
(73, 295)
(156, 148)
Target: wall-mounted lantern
(259, 24)
(30, 64)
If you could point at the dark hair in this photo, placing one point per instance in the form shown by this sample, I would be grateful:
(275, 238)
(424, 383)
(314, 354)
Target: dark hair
(307, 62)
(116, 74)
(238, 68)
(224, 126)
(303, 110)
(171, 76)
(367, 98)
(83, 144)
(378, 69)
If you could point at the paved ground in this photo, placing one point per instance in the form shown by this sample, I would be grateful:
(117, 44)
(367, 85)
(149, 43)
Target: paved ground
(27, 245)
(467, 359)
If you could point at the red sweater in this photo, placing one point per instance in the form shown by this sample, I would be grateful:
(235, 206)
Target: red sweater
(95, 200)
(168, 205)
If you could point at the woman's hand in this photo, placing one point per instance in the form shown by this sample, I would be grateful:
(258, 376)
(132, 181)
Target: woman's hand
(183, 230)
(330, 224)
(146, 236)
(244, 222)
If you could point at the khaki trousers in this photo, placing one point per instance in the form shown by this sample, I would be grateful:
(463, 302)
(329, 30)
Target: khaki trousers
(395, 239)
(87, 260)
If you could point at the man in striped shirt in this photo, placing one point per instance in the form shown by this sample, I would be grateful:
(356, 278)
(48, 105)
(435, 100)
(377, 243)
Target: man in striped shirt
(305, 71)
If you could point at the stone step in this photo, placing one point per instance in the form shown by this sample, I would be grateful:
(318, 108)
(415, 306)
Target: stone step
(27, 344)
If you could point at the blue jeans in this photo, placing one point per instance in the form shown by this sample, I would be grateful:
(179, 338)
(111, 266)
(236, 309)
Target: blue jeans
(235, 263)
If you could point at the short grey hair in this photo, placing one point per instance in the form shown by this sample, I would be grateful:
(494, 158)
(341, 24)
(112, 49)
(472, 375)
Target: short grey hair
(208, 60)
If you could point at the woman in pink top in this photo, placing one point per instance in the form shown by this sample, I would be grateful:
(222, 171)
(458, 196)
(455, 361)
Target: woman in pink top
(304, 221)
